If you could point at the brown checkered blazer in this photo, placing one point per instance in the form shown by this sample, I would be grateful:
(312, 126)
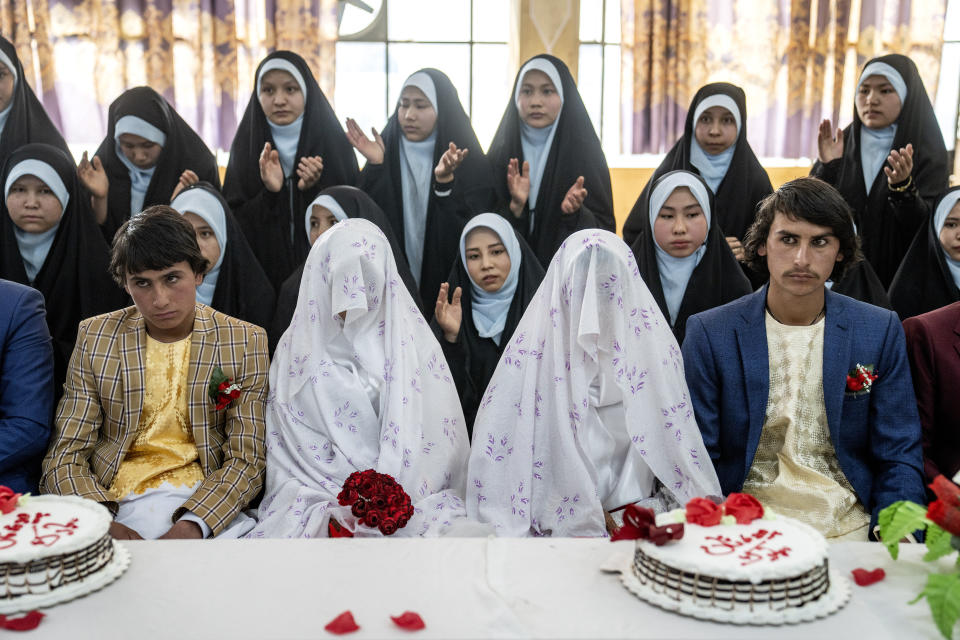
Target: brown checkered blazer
(98, 416)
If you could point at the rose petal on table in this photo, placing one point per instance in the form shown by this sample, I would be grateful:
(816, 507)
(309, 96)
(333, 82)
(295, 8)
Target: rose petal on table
(26, 623)
(866, 578)
(409, 621)
(343, 623)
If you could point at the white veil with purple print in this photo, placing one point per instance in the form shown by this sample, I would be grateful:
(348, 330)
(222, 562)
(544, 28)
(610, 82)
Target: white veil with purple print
(371, 390)
(588, 405)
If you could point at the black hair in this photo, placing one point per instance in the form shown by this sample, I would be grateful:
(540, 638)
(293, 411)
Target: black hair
(811, 200)
(153, 240)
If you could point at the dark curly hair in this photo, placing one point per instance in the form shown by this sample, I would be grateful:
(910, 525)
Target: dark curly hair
(811, 200)
(155, 239)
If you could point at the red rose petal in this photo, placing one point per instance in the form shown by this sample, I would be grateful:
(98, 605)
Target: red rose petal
(866, 578)
(343, 623)
(26, 623)
(409, 621)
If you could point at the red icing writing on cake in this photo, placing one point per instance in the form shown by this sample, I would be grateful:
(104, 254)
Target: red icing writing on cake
(748, 548)
(44, 533)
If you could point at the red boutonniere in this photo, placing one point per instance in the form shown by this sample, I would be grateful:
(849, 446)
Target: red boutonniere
(222, 390)
(377, 500)
(860, 379)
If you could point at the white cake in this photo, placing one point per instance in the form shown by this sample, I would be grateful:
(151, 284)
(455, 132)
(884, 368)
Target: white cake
(55, 548)
(770, 571)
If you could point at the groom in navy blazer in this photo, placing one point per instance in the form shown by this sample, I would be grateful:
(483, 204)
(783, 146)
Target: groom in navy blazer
(803, 235)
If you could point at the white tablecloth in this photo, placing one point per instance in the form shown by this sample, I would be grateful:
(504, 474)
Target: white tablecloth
(462, 588)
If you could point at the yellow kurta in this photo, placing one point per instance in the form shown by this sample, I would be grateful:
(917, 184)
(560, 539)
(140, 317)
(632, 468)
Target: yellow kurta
(795, 469)
(164, 449)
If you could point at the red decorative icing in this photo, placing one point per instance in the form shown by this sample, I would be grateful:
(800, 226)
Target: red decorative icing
(749, 548)
(44, 533)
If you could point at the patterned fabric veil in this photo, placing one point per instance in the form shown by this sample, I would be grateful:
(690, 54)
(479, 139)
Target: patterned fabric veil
(592, 366)
(369, 391)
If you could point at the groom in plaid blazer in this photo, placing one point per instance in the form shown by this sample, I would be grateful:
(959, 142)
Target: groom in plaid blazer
(156, 258)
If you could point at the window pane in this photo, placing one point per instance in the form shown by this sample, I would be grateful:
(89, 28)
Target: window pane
(452, 59)
(951, 27)
(492, 83)
(947, 92)
(591, 20)
(611, 100)
(612, 33)
(437, 20)
(361, 85)
(354, 19)
(491, 20)
(589, 73)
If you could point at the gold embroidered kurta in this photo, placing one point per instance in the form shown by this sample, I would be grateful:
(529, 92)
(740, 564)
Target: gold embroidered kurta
(795, 469)
(164, 449)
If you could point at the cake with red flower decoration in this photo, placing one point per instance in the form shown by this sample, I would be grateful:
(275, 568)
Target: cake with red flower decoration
(732, 562)
(54, 548)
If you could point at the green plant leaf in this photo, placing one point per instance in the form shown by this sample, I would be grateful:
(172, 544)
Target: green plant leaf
(943, 595)
(899, 519)
(938, 543)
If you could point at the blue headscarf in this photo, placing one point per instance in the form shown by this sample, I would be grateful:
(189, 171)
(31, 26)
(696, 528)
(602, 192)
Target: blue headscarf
(330, 204)
(675, 272)
(939, 218)
(875, 144)
(713, 167)
(206, 205)
(34, 247)
(286, 137)
(139, 178)
(490, 308)
(536, 142)
(416, 175)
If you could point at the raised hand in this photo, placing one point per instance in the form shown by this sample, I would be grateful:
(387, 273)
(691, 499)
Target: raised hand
(309, 170)
(372, 150)
(901, 165)
(449, 315)
(737, 247)
(451, 159)
(187, 178)
(829, 145)
(92, 176)
(518, 183)
(574, 198)
(271, 171)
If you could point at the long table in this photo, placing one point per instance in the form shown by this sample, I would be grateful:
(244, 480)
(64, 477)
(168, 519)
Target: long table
(461, 587)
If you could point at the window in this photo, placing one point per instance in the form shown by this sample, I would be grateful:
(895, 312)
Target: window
(948, 88)
(379, 49)
(598, 72)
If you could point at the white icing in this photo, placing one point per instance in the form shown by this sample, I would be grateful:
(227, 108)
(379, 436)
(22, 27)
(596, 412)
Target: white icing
(65, 524)
(752, 552)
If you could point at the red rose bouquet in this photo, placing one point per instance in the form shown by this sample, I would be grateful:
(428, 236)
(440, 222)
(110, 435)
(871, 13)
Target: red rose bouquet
(941, 523)
(377, 500)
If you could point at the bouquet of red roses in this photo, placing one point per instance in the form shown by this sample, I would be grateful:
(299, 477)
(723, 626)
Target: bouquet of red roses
(377, 500)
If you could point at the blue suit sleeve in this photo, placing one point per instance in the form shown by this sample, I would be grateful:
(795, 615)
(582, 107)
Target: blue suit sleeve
(895, 433)
(26, 384)
(703, 382)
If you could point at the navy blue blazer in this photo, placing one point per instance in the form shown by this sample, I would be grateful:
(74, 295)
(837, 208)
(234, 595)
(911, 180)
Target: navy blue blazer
(876, 435)
(26, 385)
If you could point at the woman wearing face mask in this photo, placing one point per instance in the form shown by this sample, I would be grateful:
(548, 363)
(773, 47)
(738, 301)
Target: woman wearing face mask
(890, 164)
(427, 173)
(929, 276)
(681, 253)
(22, 117)
(289, 146)
(492, 283)
(234, 283)
(334, 205)
(51, 242)
(714, 145)
(149, 153)
(551, 174)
